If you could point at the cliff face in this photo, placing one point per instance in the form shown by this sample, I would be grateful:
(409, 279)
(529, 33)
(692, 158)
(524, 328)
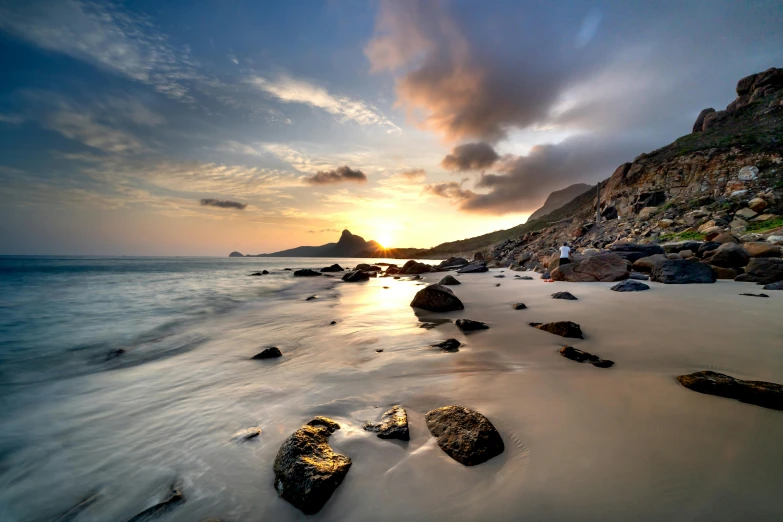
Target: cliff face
(559, 198)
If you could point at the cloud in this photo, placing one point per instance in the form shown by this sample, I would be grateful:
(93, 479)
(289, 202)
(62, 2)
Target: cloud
(105, 36)
(470, 156)
(324, 230)
(450, 190)
(220, 203)
(338, 175)
(290, 90)
(12, 119)
(414, 175)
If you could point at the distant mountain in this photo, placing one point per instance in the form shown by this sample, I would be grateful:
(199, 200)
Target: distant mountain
(349, 245)
(559, 198)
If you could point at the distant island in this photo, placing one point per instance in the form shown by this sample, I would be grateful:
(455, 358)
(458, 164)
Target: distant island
(349, 245)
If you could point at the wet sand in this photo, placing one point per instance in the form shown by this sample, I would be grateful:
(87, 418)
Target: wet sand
(582, 443)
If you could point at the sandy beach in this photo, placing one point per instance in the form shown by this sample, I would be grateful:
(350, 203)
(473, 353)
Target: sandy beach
(581, 443)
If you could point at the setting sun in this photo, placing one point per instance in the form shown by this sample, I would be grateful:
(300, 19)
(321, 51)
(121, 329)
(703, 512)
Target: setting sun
(384, 239)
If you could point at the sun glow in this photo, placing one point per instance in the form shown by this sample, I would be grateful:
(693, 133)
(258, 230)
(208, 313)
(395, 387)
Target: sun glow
(384, 239)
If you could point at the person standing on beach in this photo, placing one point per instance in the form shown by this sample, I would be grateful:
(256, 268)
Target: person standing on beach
(565, 254)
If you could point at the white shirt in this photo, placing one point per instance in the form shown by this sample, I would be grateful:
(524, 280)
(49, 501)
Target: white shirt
(564, 251)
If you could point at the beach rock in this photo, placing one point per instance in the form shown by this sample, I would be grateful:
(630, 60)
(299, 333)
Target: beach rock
(356, 276)
(171, 499)
(760, 393)
(762, 249)
(519, 306)
(564, 295)
(333, 322)
(437, 298)
(256, 274)
(307, 470)
(561, 328)
(569, 352)
(724, 238)
(269, 353)
(246, 434)
(638, 277)
(775, 240)
(464, 435)
(682, 272)
(311, 298)
(728, 255)
(632, 251)
(523, 278)
(393, 425)
(724, 273)
(757, 205)
(774, 286)
(453, 262)
(468, 325)
(629, 285)
(602, 267)
(306, 272)
(746, 213)
(762, 270)
(478, 256)
(546, 275)
(334, 268)
(287, 269)
(449, 345)
(473, 268)
(755, 295)
(497, 284)
(362, 266)
(414, 267)
(706, 247)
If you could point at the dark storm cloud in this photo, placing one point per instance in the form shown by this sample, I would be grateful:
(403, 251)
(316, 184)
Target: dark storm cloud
(221, 203)
(619, 79)
(340, 174)
(470, 156)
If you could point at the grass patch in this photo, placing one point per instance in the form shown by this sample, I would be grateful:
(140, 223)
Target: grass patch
(682, 236)
(760, 226)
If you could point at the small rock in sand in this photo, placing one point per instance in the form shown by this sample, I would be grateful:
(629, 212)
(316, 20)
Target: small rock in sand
(269, 353)
(246, 434)
(468, 325)
(760, 393)
(497, 284)
(519, 306)
(449, 280)
(449, 345)
(311, 298)
(379, 350)
(756, 295)
(569, 352)
(393, 425)
(774, 286)
(564, 295)
(307, 470)
(464, 435)
(333, 322)
(499, 276)
(561, 328)
(524, 278)
(629, 285)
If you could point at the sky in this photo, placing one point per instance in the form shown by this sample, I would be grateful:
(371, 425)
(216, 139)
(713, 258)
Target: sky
(200, 128)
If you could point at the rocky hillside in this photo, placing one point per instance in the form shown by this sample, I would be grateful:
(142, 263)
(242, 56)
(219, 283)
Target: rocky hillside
(726, 177)
(559, 198)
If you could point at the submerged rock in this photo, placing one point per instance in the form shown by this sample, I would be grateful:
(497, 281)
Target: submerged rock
(629, 285)
(334, 268)
(393, 425)
(568, 296)
(680, 271)
(519, 306)
(246, 434)
(437, 298)
(449, 280)
(449, 345)
(468, 325)
(569, 352)
(464, 435)
(307, 470)
(311, 298)
(760, 393)
(269, 353)
(561, 328)
(356, 276)
(172, 498)
(306, 272)
(756, 295)
(71, 514)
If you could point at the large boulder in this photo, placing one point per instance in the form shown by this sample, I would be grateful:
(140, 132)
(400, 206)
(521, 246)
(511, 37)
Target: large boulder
(393, 425)
(307, 470)
(763, 270)
(601, 267)
(728, 255)
(414, 267)
(474, 267)
(632, 251)
(464, 435)
(334, 268)
(356, 276)
(760, 393)
(437, 298)
(449, 280)
(453, 262)
(762, 249)
(646, 264)
(680, 271)
(306, 272)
